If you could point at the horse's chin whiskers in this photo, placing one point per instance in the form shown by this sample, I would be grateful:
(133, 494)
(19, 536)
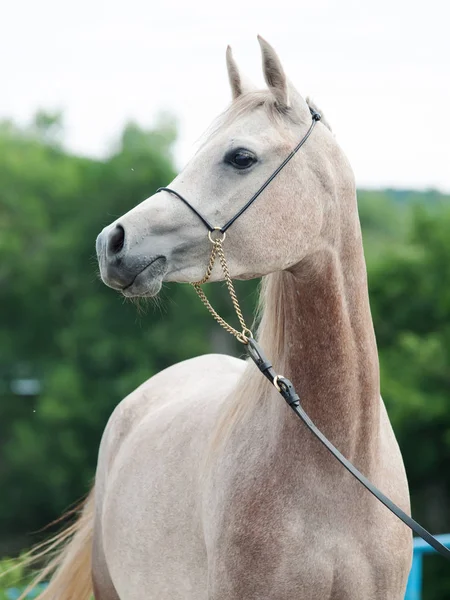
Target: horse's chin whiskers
(137, 303)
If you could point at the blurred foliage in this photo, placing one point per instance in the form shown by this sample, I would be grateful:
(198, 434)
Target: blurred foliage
(14, 579)
(87, 348)
(12, 575)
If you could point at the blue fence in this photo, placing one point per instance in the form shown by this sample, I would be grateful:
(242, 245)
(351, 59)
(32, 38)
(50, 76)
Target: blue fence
(14, 593)
(413, 590)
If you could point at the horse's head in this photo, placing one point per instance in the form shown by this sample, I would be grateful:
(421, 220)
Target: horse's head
(161, 239)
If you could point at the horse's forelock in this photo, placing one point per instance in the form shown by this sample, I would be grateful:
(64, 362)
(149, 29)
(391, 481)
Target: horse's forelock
(247, 103)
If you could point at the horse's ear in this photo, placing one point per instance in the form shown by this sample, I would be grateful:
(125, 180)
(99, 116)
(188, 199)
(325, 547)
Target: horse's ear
(236, 83)
(274, 73)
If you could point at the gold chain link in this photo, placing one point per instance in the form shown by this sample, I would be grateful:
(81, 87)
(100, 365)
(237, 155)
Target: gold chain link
(217, 251)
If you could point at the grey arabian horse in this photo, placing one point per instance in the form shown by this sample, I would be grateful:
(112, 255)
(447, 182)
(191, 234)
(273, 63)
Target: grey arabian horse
(207, 487)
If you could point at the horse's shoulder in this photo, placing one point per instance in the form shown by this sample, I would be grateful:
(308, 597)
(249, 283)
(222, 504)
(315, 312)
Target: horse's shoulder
(178, 384)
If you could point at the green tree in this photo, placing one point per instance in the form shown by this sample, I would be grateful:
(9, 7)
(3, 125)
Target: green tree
(410, 295)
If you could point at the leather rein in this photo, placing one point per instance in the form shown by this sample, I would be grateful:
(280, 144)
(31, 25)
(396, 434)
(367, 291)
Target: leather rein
(285, 388)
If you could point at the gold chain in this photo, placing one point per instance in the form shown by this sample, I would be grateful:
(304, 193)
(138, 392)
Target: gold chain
(217, 251)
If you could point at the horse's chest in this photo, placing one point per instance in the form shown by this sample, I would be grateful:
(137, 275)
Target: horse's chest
(275, 556)
(277, 537)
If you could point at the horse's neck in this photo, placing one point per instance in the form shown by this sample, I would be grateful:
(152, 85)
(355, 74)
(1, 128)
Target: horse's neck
(327, 347)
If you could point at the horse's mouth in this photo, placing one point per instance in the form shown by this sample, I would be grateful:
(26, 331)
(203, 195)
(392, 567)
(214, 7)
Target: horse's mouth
(148, 282)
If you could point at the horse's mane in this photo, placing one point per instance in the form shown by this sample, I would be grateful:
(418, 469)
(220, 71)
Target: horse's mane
(276, 294)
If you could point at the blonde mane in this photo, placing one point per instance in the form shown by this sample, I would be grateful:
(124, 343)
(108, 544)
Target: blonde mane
(276, 294)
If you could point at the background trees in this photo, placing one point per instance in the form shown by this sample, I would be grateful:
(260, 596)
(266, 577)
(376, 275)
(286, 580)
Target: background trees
(70, 349)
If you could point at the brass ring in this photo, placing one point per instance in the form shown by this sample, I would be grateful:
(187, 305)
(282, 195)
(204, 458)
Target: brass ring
(213, 241)
(241, 338)
(275, 382)
(246, 333)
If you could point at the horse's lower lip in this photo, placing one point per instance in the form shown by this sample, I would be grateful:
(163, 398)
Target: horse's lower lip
(148, 281)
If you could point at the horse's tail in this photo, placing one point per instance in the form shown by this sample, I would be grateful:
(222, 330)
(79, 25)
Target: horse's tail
(70, 562)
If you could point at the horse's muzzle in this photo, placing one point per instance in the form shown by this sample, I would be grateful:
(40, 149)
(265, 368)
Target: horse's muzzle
(125, 269)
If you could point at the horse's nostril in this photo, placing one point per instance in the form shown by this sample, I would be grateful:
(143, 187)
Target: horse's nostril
(116, 240)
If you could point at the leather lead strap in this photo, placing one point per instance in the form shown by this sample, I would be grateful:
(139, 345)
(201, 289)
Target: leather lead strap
(287, 391)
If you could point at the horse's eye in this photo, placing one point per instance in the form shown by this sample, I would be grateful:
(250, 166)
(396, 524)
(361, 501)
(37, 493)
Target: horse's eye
(240, 159)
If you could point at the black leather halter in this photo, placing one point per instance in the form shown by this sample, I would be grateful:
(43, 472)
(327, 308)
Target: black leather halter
(315, 118)
(285, 387)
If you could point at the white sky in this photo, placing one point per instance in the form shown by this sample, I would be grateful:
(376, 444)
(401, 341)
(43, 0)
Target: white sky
(380, 70)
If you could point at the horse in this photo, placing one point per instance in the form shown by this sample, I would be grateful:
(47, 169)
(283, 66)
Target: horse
(206, 486)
